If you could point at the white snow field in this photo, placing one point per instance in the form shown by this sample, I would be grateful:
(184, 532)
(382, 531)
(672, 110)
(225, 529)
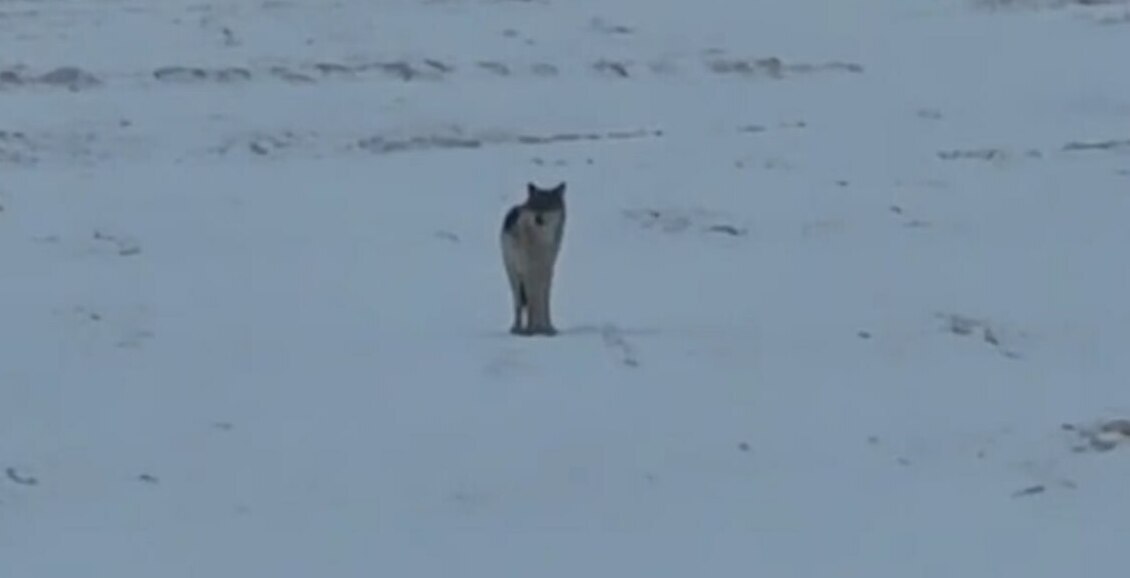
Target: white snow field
(843, 294)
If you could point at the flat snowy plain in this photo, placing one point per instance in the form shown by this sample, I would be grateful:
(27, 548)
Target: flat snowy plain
(843, 291)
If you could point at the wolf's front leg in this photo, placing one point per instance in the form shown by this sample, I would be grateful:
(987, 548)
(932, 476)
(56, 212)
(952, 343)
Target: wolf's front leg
(518, 292)
(540, 322)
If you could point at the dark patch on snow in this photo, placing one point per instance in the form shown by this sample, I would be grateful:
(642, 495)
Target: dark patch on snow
(331, 68)
(126, 246)
(288, 75)
(1097, 145)
(452, 237)
(909, 223)
(969, 327)
(987, 154)
(402, 70)
(611, 68)
(229, 37)
(1102, 436)
(1029, 491)
(496, 68)
(773, 67)
(751, 129)
(18, 477)
(10, 77)
(186, 74)
(438, 65)
(600, 25)
(70, 77)
(727, 229)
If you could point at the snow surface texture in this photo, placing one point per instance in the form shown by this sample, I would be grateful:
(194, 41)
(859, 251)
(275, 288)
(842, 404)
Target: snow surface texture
(842, 292)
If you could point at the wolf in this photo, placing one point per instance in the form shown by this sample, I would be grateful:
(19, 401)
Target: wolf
(531, 241)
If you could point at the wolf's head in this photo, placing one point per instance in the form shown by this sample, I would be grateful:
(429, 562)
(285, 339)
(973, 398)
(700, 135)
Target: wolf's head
(545, 200)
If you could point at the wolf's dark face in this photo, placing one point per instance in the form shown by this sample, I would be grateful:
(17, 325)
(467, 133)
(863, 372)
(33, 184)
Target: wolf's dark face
(545, 200)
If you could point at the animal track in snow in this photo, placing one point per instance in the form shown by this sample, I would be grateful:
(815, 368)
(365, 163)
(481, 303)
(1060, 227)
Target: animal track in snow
(963, 326)
(1101, 435)
(615, 341)
(676, 221)
(124, 327)
(124, 245)
(75, 145)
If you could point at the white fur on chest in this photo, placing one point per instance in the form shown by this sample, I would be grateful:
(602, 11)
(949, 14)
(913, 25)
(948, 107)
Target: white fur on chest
(531, 245)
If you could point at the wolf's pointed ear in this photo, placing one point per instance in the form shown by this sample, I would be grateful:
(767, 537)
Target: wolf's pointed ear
(531, 189)
(559, 189)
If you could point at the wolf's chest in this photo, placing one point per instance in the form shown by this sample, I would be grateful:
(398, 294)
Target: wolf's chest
(541, 231)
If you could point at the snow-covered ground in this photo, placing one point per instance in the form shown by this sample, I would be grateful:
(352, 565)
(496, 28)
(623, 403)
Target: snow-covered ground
(843, 291)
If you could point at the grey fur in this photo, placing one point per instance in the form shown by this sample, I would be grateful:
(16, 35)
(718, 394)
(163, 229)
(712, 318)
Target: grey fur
(531, 241)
